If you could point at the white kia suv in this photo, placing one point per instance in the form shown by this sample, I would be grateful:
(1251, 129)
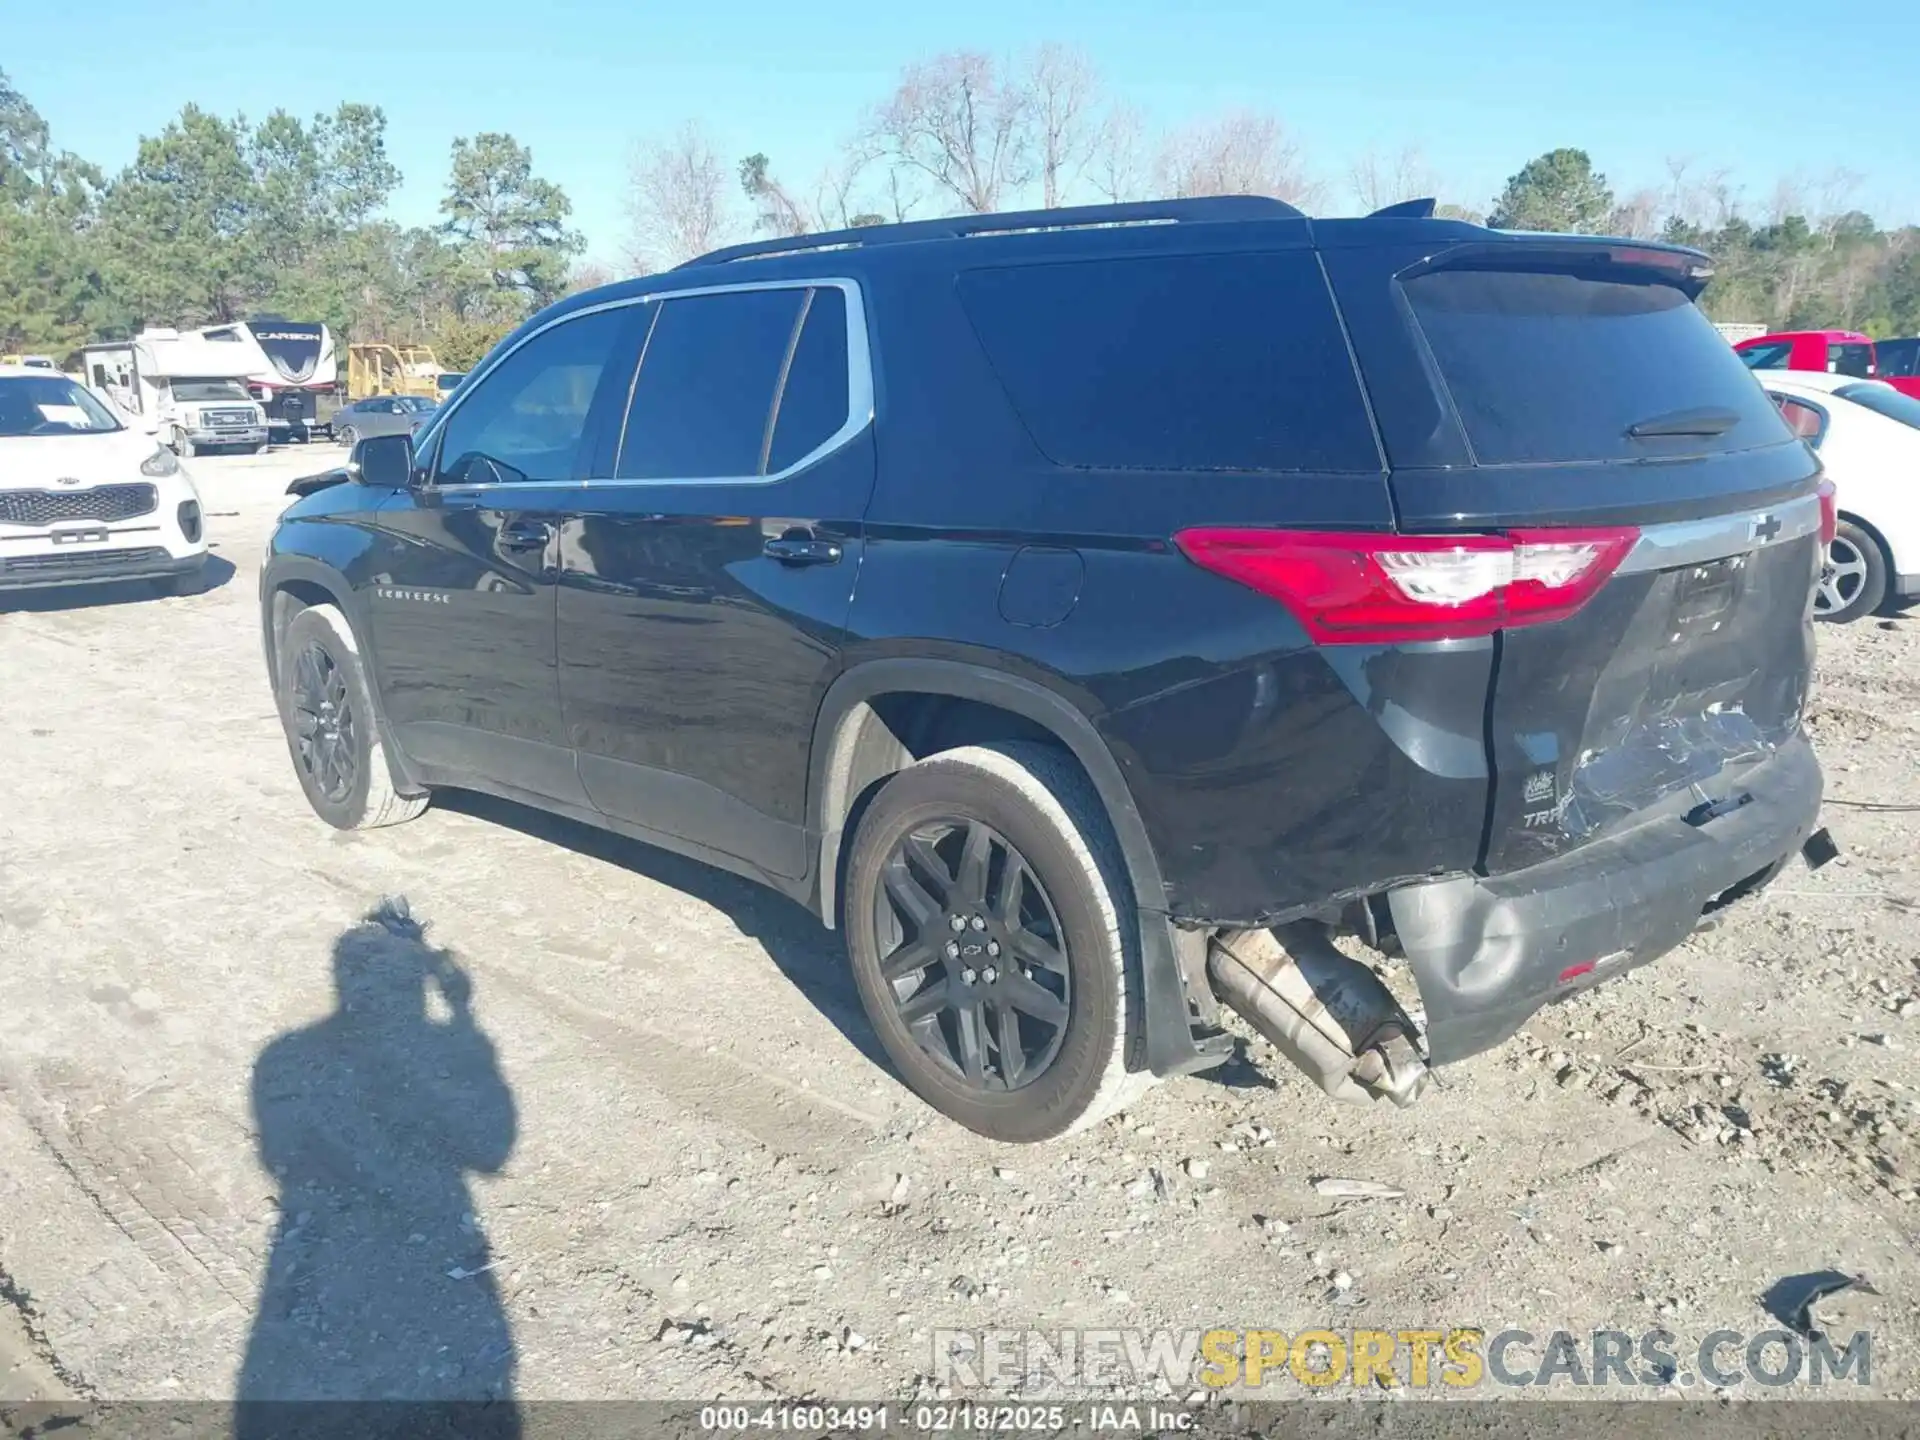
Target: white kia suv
(83, 499)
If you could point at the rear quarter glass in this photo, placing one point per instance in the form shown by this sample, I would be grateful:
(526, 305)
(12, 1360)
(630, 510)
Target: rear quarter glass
(1177, 362)
(1548, 368)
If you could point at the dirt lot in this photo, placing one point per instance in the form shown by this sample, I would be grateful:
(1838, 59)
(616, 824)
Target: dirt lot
(653, 1153)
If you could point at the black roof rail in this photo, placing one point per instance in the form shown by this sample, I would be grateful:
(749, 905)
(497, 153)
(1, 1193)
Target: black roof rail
(1072, 217)
(1405, 210)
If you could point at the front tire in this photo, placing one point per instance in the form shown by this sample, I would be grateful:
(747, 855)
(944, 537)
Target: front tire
(333, 732)
(989, 925)
(182, 446)
(1854, 582)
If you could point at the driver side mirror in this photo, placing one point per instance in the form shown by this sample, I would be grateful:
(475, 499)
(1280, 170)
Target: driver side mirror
(382, 461)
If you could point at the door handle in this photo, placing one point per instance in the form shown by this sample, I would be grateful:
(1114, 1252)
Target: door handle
(803, 550)
(525, 535)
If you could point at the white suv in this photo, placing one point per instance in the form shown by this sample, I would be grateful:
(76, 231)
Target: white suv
(83, 499)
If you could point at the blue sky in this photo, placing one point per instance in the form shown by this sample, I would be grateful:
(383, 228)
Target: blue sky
(1479, 85)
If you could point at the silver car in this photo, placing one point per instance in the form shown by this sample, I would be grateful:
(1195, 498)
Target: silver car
(381, 415)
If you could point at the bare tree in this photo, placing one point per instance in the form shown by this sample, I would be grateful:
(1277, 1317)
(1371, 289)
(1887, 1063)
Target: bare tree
(1833, 196)
(1062, 90)
(834, 203)
(588, 275)
(678, 201)
(1242, 152)
(955, 121)
(1378, 182)
(1637, 217)
(1702, 200)
(1118, 165)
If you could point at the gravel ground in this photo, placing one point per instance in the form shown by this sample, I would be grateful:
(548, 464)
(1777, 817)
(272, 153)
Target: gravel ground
(583, 1120)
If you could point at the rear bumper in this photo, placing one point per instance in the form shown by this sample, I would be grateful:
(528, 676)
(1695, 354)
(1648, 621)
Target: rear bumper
(40, 572)
(1489, 952)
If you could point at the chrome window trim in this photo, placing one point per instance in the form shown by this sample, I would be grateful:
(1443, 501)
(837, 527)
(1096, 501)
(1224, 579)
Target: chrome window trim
(1695, 542)
(859, 387)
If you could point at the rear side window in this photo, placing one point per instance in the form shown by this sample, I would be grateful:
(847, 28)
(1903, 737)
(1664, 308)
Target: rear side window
(703, 398)
(1768, 357)
(1205, 362)
(814, 401)
(1546, 367)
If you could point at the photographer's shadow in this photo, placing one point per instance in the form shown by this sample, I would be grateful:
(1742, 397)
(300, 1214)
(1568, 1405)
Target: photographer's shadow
(380, 1284)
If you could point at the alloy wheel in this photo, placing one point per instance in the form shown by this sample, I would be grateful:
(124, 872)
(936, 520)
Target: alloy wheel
(973, 954)
(1842, 577)
(325, 737)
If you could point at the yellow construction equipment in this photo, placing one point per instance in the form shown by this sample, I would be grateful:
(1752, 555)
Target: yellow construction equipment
(379, 369)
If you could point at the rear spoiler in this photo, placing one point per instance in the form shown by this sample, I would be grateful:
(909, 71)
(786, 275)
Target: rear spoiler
(1685, 269)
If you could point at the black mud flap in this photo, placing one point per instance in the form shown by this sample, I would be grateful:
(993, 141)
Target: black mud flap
(1819, 849)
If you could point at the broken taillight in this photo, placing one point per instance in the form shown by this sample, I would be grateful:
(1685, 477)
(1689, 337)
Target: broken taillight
(1379, 589)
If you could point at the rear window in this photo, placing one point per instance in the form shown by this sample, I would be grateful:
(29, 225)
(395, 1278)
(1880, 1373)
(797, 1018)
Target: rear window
(1555, 368)
(1204, 362)
(1885, 399)
(1850, 359)
(1768, 357)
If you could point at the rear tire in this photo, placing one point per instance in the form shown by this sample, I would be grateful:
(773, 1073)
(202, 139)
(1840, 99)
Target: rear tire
(1855, 582)
(349, 437)
(332, 726)
(968, 1015)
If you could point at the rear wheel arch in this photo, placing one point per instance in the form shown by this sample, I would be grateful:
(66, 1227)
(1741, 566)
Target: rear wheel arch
(882, 716)
(1886, 550)
(1886, 582)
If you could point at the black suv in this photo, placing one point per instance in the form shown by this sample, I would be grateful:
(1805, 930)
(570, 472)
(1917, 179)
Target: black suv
(1093, 612)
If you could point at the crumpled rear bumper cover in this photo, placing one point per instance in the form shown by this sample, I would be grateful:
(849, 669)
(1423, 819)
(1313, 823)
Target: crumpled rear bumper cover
(1489, 952)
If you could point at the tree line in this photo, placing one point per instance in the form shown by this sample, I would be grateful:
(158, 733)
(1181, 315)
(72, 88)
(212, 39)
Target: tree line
(217, 218)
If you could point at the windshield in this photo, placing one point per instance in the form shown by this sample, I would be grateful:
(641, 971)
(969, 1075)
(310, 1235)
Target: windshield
(1885, 399)
(31, 405)
(209, 390)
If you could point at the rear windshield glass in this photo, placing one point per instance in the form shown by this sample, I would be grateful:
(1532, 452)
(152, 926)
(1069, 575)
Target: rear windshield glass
(1548, 368)
(1887, 400)
(1188, 362)
(1850, 359)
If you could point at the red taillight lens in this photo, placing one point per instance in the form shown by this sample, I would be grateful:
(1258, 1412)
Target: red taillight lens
(1829, 512)
(1377, 589)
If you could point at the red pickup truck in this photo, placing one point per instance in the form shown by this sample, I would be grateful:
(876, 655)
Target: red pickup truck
(1837, 352)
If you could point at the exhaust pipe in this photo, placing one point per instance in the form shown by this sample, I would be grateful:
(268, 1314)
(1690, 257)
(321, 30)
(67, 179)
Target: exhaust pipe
(1328, 1014)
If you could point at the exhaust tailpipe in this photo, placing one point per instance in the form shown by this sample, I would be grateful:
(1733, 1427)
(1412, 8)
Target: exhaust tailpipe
(1328, 1014)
